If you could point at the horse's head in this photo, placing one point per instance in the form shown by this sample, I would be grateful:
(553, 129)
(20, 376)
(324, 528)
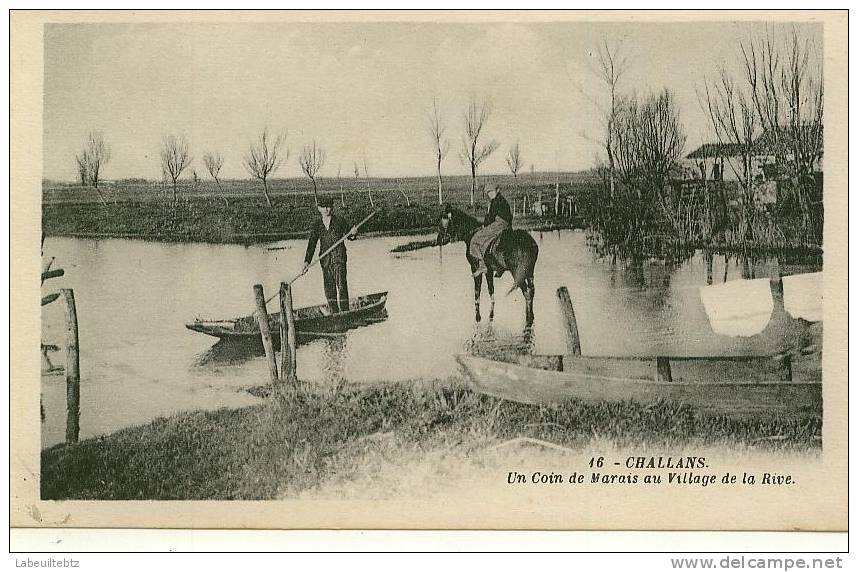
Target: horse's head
(447, 225)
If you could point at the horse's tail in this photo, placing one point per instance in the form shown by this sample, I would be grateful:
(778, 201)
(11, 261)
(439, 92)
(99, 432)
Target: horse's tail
(524, 264)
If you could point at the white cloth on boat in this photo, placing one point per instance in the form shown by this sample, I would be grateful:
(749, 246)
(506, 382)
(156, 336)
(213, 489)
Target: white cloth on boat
(803, 296)
(738, 307)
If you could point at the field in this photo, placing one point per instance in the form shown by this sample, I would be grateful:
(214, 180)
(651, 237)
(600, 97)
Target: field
(236, 211)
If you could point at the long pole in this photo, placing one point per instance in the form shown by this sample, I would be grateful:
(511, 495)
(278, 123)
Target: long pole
(333, 246)
(328, 251)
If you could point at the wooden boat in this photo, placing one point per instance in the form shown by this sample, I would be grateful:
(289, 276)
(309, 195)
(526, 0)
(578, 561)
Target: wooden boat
(710, 384)
(311, 321)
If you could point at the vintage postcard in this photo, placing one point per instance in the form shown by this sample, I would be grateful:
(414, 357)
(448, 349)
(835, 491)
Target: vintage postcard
(429, 270)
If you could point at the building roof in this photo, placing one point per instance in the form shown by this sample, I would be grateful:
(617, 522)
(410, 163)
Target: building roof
(764, 145)
(708, 150)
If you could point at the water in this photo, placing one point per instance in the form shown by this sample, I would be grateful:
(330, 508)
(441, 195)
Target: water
(138, 361)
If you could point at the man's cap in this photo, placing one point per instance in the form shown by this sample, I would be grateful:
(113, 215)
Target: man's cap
(490, 187)
(326, 202)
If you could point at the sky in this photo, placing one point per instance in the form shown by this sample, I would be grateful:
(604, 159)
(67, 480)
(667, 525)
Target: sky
(361, 90)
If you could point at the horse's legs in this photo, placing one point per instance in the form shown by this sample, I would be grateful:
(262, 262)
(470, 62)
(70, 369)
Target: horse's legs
(529, 290)
(478, 284)
(490, 283)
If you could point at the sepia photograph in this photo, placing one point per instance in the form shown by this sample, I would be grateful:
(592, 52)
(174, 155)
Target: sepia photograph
(553, 270)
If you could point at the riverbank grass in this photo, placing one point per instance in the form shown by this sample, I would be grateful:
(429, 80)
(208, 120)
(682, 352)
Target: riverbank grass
(300, 439)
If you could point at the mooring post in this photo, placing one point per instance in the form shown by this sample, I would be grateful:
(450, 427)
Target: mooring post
(290, 332)
(662, 370)
(72, 369)
(285, 366)
(265, 331)
(573, 340)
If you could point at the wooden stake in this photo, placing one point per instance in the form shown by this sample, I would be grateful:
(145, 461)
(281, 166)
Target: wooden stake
(292, 342)
(72, 369)
(265, 331)
(662, 369)
(285, 365)
(573, 340)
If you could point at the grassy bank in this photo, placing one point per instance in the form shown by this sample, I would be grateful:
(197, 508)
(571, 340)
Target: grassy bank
(298, 441)
(237, 212)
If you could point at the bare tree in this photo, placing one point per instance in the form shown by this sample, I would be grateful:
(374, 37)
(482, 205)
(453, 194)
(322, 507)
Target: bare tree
(784, 76)
(264, 158)
(437, 129)
(214, 163)
(82, 167)
(91, 160)
(175, 158)
(731, 113)
(312, 159)
(514, 160)
(473, 153)
(610, 66)
(648, 142)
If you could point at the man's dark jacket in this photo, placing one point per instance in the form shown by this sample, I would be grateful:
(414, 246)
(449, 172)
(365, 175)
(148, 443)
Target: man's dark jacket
(498, 208)
(326, 237)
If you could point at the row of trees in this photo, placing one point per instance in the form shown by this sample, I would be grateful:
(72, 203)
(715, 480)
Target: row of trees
(263, 158)
(474, 148)
(268, 153)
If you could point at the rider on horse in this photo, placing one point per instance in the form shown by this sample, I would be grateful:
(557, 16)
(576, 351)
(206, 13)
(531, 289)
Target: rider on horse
(498, 218)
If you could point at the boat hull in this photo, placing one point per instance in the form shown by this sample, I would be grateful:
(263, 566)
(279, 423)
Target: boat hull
(543, 385)
(311, 321)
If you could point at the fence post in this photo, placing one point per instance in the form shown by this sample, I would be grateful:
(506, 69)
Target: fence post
(291, 335)
(72, 369)
(662, 370)
(573, 340)
(265, 330)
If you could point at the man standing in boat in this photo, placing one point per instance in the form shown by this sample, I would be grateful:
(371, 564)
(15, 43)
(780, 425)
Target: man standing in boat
(326, 231)
(498, 218)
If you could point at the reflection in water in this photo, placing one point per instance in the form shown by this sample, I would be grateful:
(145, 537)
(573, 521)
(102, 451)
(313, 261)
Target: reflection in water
(493, 342)
(231, 352)
(147, 364)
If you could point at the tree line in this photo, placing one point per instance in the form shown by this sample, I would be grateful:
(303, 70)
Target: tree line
(266, 154)
(771, 108)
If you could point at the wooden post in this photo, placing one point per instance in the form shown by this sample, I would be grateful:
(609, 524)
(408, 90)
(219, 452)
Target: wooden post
(265, 331)
(72, 369)
(662, 369)
(786, 372)
(285, 366)
(290, 334)
(573, 340)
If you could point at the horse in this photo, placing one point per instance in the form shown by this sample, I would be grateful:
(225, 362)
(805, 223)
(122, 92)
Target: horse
(514, 251)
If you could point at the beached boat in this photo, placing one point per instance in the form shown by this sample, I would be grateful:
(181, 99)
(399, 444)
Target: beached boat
(736, 387)
(310, 321)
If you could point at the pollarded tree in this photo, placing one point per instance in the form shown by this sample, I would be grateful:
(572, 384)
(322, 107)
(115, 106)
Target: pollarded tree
(214, 163)
(91, 161)
(264, 158)
(473, 153)
(514, 159)
(312, 159)
(437, 129)
(175, 158)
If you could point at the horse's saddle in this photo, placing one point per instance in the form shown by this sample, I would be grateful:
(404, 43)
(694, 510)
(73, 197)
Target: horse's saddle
(495, 255)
